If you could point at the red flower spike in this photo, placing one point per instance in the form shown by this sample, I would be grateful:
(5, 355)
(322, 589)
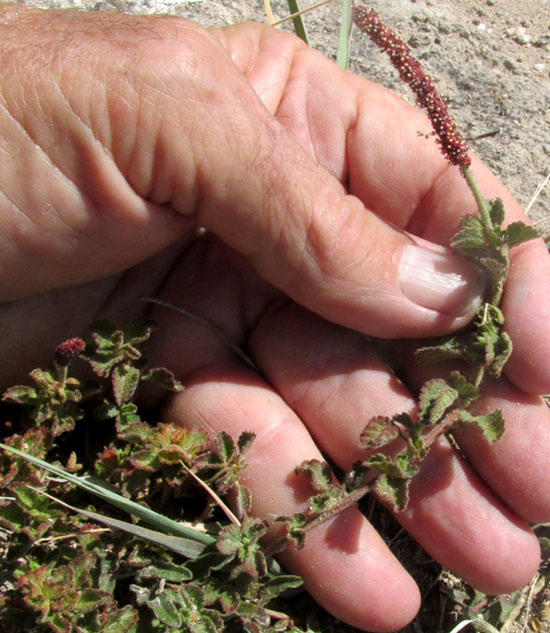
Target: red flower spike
(452, 145)
(67, 350)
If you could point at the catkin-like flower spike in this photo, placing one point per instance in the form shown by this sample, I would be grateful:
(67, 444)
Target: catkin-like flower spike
(69, 349)
(452, 144)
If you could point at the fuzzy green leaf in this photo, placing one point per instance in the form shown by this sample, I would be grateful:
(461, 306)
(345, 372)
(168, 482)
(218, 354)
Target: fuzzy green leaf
(497, 269)
(396, 466)
(229, 540)
(113, 346)
(165, 610)
(90, 599)
(242, 500)
(294, 527)
(164, 378)
(226, 446)
(470, 239)
(492, 424)
(254, 563)
(165, 571)
(318, 473)
(518, 232)
(275, 586)
(146, 460)
(496, 211)
(378, 432)
(120, 621)
(502, 352)
(125, 380)
(35, 504)
(21, 394)
(442, 349)
(436, 396)
(393, 491)
(467, 391)
(246, 438)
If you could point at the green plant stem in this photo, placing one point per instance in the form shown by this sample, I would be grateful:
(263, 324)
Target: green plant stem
(437, 430)
(481, 204)
(487, 223)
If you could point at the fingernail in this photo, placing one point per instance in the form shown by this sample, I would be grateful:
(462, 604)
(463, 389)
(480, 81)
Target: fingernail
(441, 281)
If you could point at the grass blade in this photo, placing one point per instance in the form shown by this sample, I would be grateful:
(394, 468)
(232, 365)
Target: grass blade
(478, 622)
(342, 55)
(104, 492)
(299, 26)
(184, 546)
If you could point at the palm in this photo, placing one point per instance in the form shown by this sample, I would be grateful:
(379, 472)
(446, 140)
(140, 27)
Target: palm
(323, 381)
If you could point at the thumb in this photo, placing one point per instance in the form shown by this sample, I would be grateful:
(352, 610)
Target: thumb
(267, 198)
(321, 247)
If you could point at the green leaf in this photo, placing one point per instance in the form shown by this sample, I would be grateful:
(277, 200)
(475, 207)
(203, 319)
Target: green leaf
(120, 621)
(318, 473)
(405, 465)
(378, 432)
(470, 240)
(393, 491)
(396, 466)
(436, 396)
(502, 352)
(518, 232)
(299, 26)
(82, 566)
(342, 55)
(242, 500)
(146, 460)
(492, 424)
(226, 446)
(138, 331)
(496, 211)
(113, 346)
(125, 380)
(58, 622)
(467, 391)
(276, 586)
(91, 599)
(294, 527)
(21, 394)
(254, 563)
(165, 610)
(164, 378)
(246, 438)
(35, 504)
(497, 269)
(166, 571)
(229, 540)
(442, 349)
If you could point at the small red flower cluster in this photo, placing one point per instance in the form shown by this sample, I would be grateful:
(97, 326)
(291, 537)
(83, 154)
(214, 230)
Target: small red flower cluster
(67, 350)
(452, 144)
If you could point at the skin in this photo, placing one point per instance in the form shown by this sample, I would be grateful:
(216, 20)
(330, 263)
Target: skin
(120, 135)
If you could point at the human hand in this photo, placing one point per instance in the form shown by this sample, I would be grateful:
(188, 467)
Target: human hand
(135, 130)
